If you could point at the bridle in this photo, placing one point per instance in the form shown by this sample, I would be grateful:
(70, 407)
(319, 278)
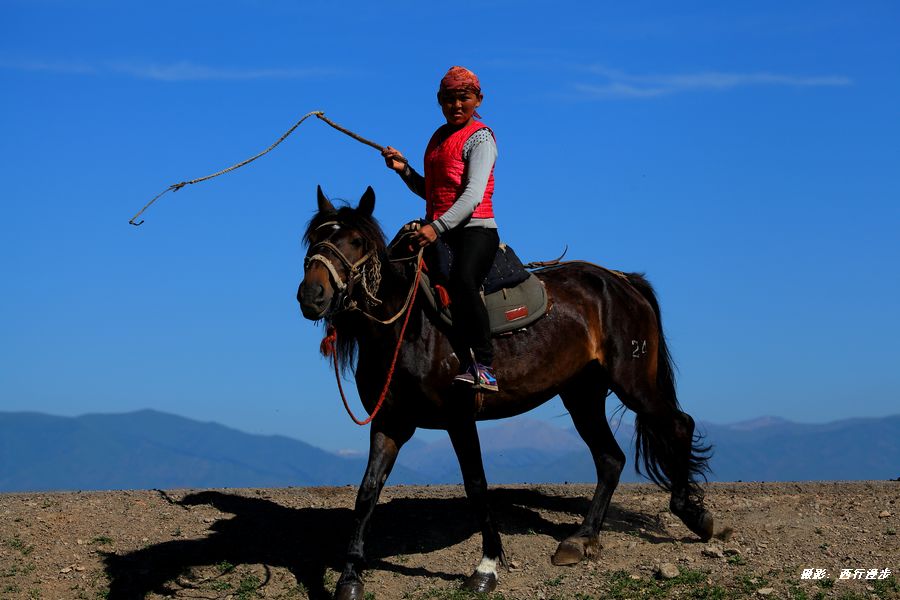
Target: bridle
(359, 271)
(368, 275)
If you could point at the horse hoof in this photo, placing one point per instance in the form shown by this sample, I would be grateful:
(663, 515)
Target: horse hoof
(573, 550)
(352, 590)
(699, 520)
(481, 583)
(704, 526)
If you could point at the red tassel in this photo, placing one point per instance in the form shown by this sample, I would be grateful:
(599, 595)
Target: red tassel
(328, 342)
(444, 295)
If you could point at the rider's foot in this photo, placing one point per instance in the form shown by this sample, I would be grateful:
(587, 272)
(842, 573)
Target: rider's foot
(469, 375)
(480, 377)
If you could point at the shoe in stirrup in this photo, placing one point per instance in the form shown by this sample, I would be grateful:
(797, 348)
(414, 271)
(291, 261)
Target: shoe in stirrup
(486, 380)
(468, 376)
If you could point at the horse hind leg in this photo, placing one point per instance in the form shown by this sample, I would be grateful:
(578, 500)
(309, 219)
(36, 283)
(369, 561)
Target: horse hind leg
(687, 496)
(674, 458)
(585, 399)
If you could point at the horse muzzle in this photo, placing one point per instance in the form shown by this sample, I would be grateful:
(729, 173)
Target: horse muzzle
(314, 300)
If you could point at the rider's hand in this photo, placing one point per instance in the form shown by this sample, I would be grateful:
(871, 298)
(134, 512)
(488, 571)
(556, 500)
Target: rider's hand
(394, 159)
(425, 235)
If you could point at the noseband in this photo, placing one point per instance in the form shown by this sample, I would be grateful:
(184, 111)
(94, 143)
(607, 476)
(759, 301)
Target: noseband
(369, 276)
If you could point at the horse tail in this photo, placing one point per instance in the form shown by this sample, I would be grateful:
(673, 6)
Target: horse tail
(654, 441)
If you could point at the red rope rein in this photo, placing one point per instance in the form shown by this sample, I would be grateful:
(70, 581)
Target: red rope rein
(329, 346)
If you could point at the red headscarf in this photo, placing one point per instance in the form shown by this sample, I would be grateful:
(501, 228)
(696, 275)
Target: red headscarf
(460, 78)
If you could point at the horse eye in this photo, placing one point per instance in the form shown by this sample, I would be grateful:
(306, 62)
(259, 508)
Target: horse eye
(357, 242)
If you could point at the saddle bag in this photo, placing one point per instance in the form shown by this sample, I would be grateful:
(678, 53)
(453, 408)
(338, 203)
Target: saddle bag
(506, 271)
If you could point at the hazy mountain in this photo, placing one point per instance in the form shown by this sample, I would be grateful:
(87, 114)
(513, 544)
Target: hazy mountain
(148, 449)
(764, 449)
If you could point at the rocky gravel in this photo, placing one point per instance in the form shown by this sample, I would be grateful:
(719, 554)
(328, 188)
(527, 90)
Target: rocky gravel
(784, 540)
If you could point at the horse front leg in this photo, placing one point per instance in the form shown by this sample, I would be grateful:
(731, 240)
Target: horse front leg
(464, 437)
(384, 445)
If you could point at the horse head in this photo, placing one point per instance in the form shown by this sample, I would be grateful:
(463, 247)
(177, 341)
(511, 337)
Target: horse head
(342, 261)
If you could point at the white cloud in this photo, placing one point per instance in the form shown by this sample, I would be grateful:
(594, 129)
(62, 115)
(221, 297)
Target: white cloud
(69, 68)
(178, 71)
(618, 84)
(186, 71)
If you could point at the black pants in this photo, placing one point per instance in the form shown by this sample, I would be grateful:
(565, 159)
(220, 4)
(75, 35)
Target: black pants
(474, 249)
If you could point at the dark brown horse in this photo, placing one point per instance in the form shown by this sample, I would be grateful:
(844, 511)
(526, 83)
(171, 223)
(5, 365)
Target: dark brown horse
(603, 333)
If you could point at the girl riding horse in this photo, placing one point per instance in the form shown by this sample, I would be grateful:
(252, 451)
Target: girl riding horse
(458, 187)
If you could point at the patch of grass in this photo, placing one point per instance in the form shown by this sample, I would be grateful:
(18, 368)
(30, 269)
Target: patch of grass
(17, 544)
(826, 583)
(298, 591)
(248, 587)
(34, 594)
(328, 579)
(11, 589)
(220, 586)
(224, 567)
(81, 595)
(370, 596)
(709, 593)
(689, 583)
(737, 559)
(890, 531)
(10, 572)
(850, 595)
(555, 581)
(749, 585)
(459, 594)
(887, 588)
(102, 540)
(623, 586)
(688, 577)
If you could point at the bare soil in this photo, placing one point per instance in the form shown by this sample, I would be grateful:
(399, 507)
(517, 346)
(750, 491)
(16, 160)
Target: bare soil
(288, 543)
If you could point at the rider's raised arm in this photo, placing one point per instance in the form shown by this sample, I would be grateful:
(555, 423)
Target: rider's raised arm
(414, 181)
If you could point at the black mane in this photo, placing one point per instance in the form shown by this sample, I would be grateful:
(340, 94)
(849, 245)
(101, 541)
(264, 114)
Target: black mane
(351, 218)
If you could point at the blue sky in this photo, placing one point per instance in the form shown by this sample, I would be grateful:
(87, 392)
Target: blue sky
(745, 156)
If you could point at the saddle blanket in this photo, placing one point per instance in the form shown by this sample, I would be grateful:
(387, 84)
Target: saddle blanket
(509, 309)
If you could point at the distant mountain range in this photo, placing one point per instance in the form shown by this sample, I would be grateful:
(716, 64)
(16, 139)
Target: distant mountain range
(149, 449)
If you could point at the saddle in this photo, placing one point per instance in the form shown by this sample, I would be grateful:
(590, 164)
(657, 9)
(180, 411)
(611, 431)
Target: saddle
(513, 296)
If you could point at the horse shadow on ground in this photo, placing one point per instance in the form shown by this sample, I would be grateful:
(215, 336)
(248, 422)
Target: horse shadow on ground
(307, 541)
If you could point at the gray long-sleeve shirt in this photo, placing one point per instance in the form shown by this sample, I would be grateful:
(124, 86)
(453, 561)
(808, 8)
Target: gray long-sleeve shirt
(479, 153)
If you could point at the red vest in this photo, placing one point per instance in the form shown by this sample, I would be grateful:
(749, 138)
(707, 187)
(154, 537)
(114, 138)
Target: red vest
(444, 169)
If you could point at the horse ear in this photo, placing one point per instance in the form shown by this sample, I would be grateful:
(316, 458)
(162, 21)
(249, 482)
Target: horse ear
(324, 205)
(367, 202)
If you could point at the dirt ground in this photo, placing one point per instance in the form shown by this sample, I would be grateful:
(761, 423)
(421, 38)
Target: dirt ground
(287, 543)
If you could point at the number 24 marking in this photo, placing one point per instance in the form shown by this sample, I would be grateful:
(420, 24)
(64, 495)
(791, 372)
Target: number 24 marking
(638, 348)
